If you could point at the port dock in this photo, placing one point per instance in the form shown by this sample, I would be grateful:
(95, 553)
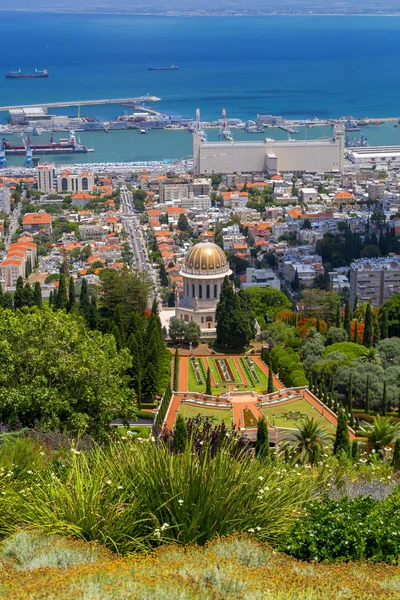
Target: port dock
(123, 101)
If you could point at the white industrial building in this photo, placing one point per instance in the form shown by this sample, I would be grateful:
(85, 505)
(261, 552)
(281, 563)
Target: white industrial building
(380, 156)
(270, 156)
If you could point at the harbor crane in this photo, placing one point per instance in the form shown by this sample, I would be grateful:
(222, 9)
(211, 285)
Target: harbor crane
(199, 128)
(225, 133)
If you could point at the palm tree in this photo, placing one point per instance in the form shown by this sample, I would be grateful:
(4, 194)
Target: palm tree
(372, 356)
(311, 334)
(360, 311)
(308, 442)
(384, 431)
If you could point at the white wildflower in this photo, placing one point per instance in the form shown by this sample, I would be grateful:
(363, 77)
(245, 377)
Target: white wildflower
(164, 526)
(108, 482)
(261, 478)
(180, 501)
(251, 530)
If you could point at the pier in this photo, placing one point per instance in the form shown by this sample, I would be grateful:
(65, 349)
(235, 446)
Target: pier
(47, 105)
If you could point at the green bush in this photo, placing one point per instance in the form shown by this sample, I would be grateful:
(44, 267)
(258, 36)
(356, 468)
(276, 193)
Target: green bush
(349, 349)
(143, 414)
(348, 530)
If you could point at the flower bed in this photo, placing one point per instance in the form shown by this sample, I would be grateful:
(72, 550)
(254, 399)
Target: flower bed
(196, 369)
(224, 370)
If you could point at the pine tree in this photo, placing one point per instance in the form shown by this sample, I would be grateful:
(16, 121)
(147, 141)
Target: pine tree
(367, 339)
(354, 451)
(384, 401)
(262, 443)
(62, 299)
(270, 377)
(19, 291)
(366, 405)
(208, 383)
(342, 439)
(396, 456)
(84, 298)
(37, 295)
(135, 346)
(181, 435)
(347, 323)
(71, 296)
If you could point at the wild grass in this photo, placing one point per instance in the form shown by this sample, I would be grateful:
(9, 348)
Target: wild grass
(236, 568)
(132, 496)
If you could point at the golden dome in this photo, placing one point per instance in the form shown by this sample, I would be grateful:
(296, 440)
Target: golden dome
(206, 258)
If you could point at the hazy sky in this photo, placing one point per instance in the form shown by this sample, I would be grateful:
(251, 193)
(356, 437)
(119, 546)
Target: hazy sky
(216, 4)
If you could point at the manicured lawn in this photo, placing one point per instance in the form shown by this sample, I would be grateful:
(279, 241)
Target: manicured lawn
(217, 414)
(193, 386)
(276, 417)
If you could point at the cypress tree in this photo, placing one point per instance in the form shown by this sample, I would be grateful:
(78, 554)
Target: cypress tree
(270, 377)
(19, 291)
(376, 333)
(384, 401)
(354, 450)
(355, 338)
(342, 439)
(176, 370)
(84, 298)
(150, 382)
(117, 335)
(71, 296)
(181, 435)
(367, 339)
(335, 406)
(384, 325)
(337, 317)
(37, 295)
(295, 282)
(396, 456)
(92, 318)
(350, 394)
(51, 299)
(262, 443)
(1, 297)
(62, 299)
(318, 324)
(357, 423)
(8, 301)
(27, 295)
(208, 383)
(346, 322)
(366, 405)
(135, 346)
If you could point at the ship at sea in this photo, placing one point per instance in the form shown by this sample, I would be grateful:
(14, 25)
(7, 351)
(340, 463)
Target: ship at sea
(62, 146)
(36, 75)
(170, 68)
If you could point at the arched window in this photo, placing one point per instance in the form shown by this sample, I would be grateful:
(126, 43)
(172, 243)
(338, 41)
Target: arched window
(207, 291)
(215, 291)
(193, 292)
(200, 291)
(186, 318)
(64, 184)
(85, 183)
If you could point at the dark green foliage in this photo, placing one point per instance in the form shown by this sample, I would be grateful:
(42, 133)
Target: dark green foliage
(383, 315)
(28, 298)
(396, 456)
(262, 443)
(234, 317)
(342, 439)
(354, 451)
(366, 404)
(287, 363)
(176, 370)
(295, 283)
(208, 383)
(180, 434)
(37, 295)
(367, 340)
(51, 299)
(19, 291)
(84, 298)
(337, 317)
(92, 316)
(350, 394)
(270, 377)
(384, 401)
(347, 323)
(61, 302)
(71, 296)
(347, 530)
(150, 382)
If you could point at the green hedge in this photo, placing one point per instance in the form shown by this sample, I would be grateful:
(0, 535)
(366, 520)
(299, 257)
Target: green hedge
(288, 365)
(143, 414)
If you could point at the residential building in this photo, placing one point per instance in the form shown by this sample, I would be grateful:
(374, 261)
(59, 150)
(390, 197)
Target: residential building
(5, 199)
(46, 177)
(309, 195)
(93, 231)
(231, 236)
(376, 190)
(35, 222)
(261, 278)
(201, 186)
(197, 202)
(374, 280)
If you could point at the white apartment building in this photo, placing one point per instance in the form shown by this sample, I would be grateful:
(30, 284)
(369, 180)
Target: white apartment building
(374, 280)
(376, 190)
(201, 186)
(261, 278)
(231, 236)
(309, 195)
(5, 200)
(46, 177)
(197, 202)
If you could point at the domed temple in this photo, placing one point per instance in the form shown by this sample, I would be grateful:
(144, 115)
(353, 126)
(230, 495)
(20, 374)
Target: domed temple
(203, 272)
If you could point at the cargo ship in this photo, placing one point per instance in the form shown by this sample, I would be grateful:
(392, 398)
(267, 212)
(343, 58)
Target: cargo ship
(19, 75)
(171, 68)
(62, 146)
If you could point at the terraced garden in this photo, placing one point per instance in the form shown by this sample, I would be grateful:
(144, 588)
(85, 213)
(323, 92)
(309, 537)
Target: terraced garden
(216, 415)
(287, 414)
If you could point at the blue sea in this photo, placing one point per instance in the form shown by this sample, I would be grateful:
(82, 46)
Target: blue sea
(298, 67)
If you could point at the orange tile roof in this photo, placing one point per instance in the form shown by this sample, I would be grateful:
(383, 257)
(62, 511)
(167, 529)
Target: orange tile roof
(11, 261)
(344, 195)
(175, 209)
(294, 213)
(82, 195)
(36, 219)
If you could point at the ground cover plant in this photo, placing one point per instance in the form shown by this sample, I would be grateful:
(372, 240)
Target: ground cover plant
(232, 567)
